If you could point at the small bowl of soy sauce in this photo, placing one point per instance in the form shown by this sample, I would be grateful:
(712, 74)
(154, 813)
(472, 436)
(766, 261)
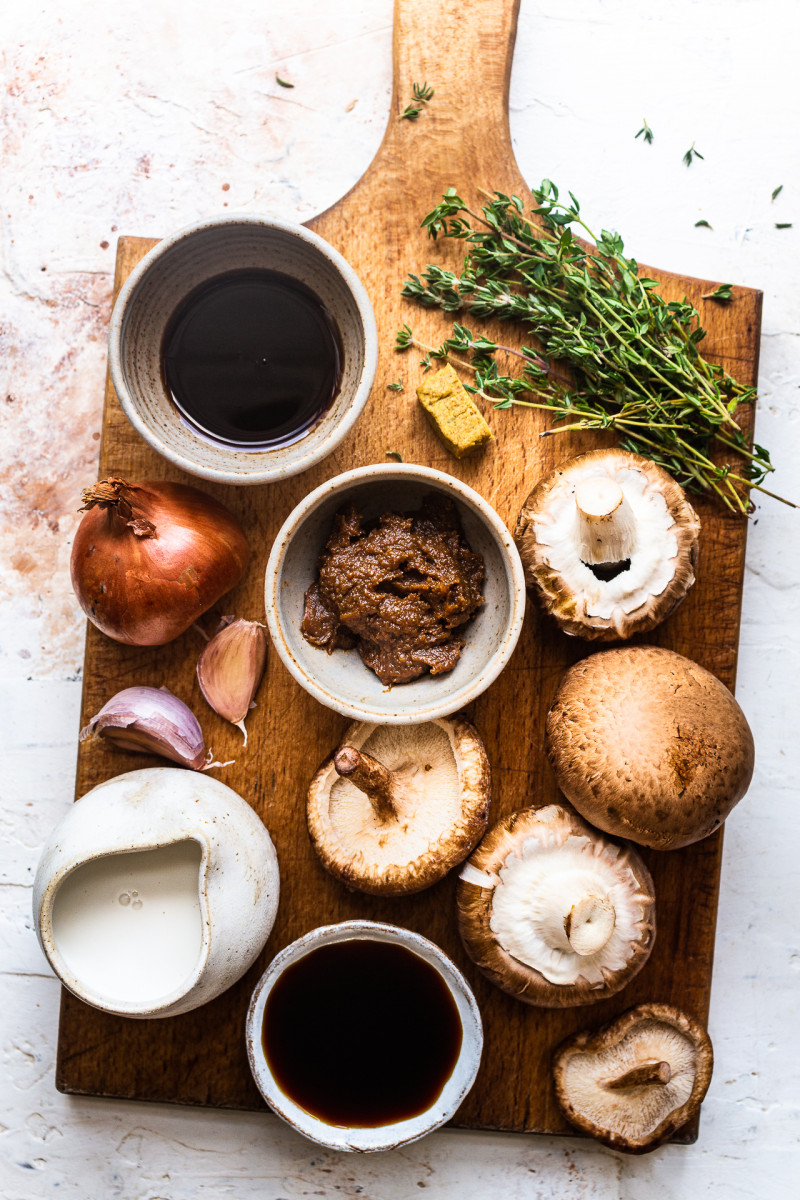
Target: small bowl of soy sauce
(363, 1036)
(243, 349)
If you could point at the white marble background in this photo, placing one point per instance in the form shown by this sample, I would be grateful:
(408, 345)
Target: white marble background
(141, 117)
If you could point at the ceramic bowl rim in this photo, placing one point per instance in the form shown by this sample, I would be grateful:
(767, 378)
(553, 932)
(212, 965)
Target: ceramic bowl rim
(265, 474)
(515, 576)
(381, 1137)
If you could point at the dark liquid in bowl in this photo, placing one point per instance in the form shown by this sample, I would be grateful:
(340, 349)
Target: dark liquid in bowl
(361, 1033)
(252, 359)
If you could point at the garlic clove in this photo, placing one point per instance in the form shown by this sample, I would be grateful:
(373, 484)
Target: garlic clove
(151, 720)
(231, 667)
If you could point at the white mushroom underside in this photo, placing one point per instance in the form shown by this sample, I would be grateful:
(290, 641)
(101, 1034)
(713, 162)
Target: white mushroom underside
(536, 890)
(429, 806)
(652, 558)
(632, 1112)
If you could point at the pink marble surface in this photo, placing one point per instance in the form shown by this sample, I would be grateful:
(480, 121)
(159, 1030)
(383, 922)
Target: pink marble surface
(139, 119)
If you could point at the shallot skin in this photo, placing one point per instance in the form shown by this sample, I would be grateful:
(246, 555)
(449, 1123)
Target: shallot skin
(146, 586)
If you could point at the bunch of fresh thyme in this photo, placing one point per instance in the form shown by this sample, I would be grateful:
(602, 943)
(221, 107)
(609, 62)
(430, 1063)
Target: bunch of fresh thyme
(610, 352)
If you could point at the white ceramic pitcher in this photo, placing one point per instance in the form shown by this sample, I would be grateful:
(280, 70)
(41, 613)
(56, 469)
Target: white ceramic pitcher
(156, 892)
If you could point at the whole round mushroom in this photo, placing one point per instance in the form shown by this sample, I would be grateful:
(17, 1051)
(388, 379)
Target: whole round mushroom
(554, 913)
(636, 1081)
(647, 745)
(398, 806)
(609, 541)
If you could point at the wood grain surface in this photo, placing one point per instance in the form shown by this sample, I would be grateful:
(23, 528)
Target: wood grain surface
(464, 51)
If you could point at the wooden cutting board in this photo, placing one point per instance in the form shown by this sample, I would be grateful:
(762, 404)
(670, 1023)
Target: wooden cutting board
(464, 51)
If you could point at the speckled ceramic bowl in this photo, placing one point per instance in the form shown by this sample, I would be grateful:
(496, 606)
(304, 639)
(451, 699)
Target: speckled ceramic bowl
(382, 1137)
(341, 680)
(180, 263)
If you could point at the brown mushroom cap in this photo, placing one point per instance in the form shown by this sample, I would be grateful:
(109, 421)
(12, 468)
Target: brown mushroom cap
(637, 1080)
(639, 519)
(648, 745)
(554, 913)
(426, 804)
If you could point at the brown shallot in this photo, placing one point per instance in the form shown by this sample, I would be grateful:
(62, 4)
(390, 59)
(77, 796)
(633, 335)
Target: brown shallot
(149, 558)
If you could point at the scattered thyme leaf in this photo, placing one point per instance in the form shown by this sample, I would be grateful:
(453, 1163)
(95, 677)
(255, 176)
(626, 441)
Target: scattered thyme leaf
(394, 454)
(783, 224)
(283, 82)
(691, 154)
(723, 292)
(395, 387)
(645, 133)
(421, 94)
(777, 191)
(702, 224)
(606, 351)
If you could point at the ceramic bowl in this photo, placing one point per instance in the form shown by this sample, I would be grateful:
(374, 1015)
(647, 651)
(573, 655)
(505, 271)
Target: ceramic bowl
(180, 263)
(155, 892)
(340, 680)
(382, 1137)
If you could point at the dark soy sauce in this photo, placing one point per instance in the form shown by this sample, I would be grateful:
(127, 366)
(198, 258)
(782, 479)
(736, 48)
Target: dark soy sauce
(361, 1033)
(252, 359)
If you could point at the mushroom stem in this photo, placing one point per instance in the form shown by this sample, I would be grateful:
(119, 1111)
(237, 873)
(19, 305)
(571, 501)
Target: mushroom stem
(370, 777)
(589, 924)
(649, 1072)
(607, 525)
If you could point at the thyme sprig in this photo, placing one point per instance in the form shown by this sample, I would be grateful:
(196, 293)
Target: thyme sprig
(645, 133)
(608, 353)
(691, 154)
(421, 94)
(723, 292)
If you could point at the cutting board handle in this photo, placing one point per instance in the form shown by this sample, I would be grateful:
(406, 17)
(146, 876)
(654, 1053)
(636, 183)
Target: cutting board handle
(463, 49)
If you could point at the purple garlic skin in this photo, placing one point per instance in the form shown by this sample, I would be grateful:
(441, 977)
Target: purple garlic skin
(231, 667)
(151, 720)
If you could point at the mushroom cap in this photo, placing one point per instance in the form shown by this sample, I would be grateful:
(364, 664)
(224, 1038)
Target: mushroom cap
(647, 745)
(662, 563)
(443, 797)
(516, 890)
(639, 1118)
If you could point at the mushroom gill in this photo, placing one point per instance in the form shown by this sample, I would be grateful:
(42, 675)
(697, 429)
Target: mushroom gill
(554, 913)
(396, 807)
(609, 541)
(637, 1080)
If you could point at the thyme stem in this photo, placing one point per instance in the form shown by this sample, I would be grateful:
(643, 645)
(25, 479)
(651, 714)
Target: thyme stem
(632, 356)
